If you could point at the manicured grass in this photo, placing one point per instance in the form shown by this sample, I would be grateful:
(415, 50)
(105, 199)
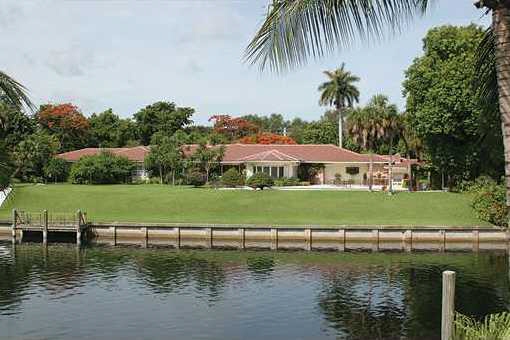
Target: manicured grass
(162, 203)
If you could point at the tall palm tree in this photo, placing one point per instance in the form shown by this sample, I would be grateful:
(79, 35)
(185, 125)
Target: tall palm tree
(296, 30)
(341, 92)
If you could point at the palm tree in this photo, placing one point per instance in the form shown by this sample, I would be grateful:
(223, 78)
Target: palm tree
(365, 127)
(13, 92)
(341, 92)
(296, 30)
(391, 127)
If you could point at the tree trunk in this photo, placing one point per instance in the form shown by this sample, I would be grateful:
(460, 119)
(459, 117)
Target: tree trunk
(340, 112)
(371, 171)
(173, 177)
(409, 173)
(160, 175)
(501, 27)
(390, 169)
(207, 175)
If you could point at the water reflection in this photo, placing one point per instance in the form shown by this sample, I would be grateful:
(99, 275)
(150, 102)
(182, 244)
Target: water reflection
(251, 295)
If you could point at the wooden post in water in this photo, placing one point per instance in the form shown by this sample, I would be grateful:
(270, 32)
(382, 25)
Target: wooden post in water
(448, 305)
(14, 221)
(78, 228)
(45, 227)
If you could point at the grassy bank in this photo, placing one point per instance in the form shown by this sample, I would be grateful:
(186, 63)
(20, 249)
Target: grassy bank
(162, 203)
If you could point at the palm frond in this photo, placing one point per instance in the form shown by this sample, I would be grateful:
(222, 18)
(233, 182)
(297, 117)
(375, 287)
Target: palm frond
(486, 81)
(296, 30)
(15, 93)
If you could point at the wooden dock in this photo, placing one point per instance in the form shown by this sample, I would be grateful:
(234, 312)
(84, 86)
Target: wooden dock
(46, 223)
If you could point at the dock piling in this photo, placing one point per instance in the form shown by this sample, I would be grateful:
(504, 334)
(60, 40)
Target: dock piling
(308, 239)
(341, 241)
(242, 240)
(45, 227)
(274, 239)
(14, 222)
(448, 305)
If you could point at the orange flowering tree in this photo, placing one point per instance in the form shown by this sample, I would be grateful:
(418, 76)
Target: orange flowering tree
(267, 138)
(66, 122)
(233, 127)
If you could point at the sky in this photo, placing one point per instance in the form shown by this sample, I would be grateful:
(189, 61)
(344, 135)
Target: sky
(128, 54)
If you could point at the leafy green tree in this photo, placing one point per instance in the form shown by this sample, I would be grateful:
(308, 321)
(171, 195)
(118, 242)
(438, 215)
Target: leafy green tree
(108, 130)
(166, 156)
(296, 130)
(340, 92)
(56, 170)
(208, 157)
(320, 132)
(31, 155)
(275, 123)
(163, 117)
(443, 109)
(15, 125)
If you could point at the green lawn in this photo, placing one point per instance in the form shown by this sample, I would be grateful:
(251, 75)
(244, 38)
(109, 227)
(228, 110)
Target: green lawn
(161, 203)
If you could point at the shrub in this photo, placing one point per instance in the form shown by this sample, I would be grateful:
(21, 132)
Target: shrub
(232, 178)
(260, 180)
(494, 326)
(338, 179)
(489, 203)
(196, 178)
(56, 170)
(474, 186)
(287, 181)
(104, 168)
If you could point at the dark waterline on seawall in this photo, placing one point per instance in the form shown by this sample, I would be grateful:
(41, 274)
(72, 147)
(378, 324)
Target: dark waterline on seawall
(101, 292)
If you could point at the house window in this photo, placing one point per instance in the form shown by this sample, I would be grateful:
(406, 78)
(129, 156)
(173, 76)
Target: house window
(352, 170)
(273, 171)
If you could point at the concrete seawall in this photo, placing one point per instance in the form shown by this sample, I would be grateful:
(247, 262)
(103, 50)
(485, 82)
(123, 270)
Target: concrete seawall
(340, 238)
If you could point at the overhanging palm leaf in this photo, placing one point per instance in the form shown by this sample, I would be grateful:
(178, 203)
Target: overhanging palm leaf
(487, 81)
(295, 30)
(14, 92)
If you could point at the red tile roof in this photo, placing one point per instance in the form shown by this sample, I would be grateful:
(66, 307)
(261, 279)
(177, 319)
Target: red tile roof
(241, 153)
(306, 153)
(134, 154)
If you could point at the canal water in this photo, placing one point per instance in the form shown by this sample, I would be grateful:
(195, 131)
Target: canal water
(101, 292)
